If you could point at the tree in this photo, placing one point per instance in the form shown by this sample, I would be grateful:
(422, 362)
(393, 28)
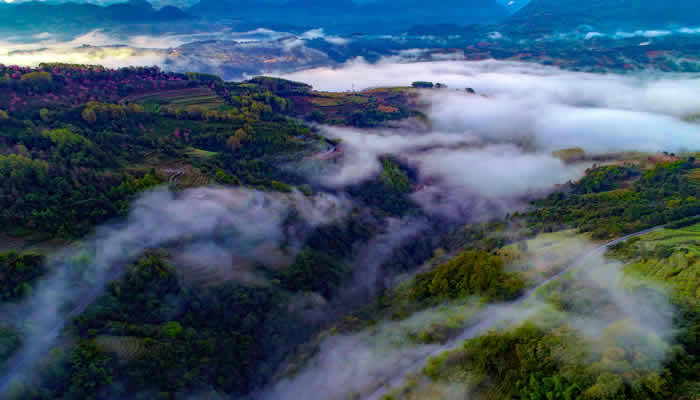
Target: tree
(37, 76)
(17, 272)
(234, 142)
(45, 115)
(91, 370)
(473, 272)
(89, 115)
(608, 387)
(422, 85)
(314, 271)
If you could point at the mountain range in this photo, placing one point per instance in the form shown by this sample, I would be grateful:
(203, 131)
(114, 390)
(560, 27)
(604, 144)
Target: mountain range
(65, 16)
(349, 16)
(608, 13)
(346, 16)
(382, 15)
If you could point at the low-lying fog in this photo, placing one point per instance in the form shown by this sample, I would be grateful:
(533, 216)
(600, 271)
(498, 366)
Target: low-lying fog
(494, 146)
(236, 54)
(477, 154)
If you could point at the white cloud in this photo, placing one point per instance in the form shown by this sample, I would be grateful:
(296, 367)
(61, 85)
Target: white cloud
(491, 150)
(497, 171)
(558, 108)
(320, 34)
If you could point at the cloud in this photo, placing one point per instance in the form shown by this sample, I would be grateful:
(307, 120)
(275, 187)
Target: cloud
(669, 94)
(229, 54)
(594, 122)
(363, 149)
(460, 175)
(582, 33)
(485, 154)
(638, 112)
(645, 34)
(353, 364)
(367, 363)
(111, 57)
(496, 171)
(240, 225)
(320, 34)
(94, 47)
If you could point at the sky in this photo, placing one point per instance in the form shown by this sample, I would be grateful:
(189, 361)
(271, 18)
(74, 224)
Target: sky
(509, 4)
(156, 3)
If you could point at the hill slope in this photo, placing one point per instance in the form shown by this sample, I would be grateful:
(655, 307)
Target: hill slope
(608, 13)
(39, 15)
(348, 15)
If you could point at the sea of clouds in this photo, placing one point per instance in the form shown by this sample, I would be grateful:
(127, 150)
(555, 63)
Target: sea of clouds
(496, 144)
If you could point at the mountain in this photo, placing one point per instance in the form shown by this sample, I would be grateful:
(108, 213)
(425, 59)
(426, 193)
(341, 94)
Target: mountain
(347, 15)
(562, 14)
(447, 11)
(195, 252)
(38, 15)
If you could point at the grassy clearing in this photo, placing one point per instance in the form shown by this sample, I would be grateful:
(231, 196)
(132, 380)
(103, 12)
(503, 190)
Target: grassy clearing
(326, 102)
(695, 228)
(545, 254)
(200, 97)
(199, 153)
(359, 99)
(668, 256)
(397, 89)
(694, 175)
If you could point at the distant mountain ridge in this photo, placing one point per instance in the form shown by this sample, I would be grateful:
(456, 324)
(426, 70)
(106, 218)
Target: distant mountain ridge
(36, 14)
(391, 15)
(609, 13)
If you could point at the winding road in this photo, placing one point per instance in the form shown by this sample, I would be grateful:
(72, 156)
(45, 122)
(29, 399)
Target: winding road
(487, 321)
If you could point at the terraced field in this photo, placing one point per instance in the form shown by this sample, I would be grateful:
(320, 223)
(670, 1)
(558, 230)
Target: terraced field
(199, 153)
(199, 97)
(327, 99)
(695, 175)
(672, 257)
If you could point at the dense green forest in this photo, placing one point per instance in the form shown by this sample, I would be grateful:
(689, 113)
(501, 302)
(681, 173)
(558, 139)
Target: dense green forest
(614, 200)
(68, 166)
(548, 358)
(78, 144)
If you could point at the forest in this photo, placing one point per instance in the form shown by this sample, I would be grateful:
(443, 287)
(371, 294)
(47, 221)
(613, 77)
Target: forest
(79, 145)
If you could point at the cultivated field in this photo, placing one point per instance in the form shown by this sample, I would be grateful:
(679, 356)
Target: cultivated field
(184, 98)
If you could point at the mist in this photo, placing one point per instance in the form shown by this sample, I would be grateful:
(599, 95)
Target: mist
(176, 52)
(248, 225)
(460, 176)
(485, 153)
(357, 365)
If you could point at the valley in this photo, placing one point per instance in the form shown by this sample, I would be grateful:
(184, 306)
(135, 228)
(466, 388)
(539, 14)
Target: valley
(360, 200)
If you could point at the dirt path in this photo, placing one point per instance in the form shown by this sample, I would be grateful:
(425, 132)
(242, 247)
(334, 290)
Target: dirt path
(173, 174)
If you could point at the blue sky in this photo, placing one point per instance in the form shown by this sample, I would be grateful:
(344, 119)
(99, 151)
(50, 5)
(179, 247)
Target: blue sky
(186, 3)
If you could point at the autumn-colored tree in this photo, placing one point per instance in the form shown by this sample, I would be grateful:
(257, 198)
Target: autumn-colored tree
(234, 142)
(45, 115)
(89, 115)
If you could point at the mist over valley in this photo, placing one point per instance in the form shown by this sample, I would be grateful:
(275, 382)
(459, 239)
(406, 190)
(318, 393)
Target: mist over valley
(292, 199)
